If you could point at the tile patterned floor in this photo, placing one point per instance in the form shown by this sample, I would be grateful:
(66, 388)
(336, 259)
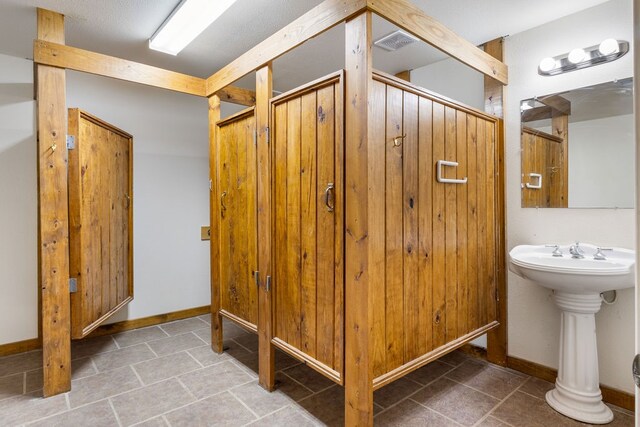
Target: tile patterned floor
(167, 375)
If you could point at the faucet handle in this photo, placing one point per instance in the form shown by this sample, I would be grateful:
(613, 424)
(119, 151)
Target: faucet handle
(556, 252)
(599, 255)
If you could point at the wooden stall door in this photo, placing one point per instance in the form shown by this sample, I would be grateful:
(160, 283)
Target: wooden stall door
(101, 220)
(543, 154)
(307, 136)
(434, 267)
(237, 216)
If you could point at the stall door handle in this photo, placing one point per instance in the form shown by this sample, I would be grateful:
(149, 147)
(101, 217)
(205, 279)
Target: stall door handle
(328, 197)
(444, 180)
(636, 370)
(538, 183)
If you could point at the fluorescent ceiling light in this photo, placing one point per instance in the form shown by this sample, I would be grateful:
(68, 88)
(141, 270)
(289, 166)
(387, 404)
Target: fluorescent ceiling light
(186, 22)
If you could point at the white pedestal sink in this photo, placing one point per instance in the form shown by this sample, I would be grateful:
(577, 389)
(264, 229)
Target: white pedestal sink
(577, 285)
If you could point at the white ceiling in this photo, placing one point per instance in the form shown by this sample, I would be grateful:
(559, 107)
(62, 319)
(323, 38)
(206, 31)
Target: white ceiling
(122, 28)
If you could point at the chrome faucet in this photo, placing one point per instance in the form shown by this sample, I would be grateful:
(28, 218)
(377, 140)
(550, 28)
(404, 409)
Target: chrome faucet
(576, 251)
(556, 251)
(599, 255)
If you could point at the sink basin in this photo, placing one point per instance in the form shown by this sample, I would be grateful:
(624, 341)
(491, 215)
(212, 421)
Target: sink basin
(577, 286)
(578, 276)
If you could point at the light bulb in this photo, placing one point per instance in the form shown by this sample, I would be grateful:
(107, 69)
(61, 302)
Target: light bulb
(547, 64)
(576, 55)
(609, 47)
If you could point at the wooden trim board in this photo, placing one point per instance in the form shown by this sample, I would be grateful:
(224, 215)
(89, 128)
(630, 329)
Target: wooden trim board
(20, 346)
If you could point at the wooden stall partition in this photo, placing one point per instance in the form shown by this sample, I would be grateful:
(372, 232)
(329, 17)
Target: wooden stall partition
(236, 209)
(543, 170)
(100, 220)
(308, 210)
(437, 263)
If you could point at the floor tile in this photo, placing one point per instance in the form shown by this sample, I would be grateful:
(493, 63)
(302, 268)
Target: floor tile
(153, 422)
(12, 385)
(183, 326)
(248, 341)
(139, 336)
(522, 410)
(214, 379)
(410, 414)
(250, 360)
(204, 334)
(430, 372)
(536, 387)
(154, 370)
(394, 392)
(260, 400)
(206, 356)
(454, 358)
(175, 344)
(90, 346)
(291, 388)
(22, 362)
(326, 407)
(456, 401)
(101, 386)
(99, 414)
(287, 416)
(230, 330)
(492, 422)
(221, 410)
(309, 377)
(80, 368)
(487, 378)
(123, 357)
(144, 403)
(206, 318)
(30, 407)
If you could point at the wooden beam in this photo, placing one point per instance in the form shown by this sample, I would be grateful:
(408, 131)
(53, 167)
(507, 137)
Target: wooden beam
(237, 95)
(493, 97)
(318, 20)
(53, 214)
(359, 226)
(561, 106)
(214, 227)
(536, 113)
(404, 75)
(411, 18)
(46, 52)
(494, 104)
(266, 362)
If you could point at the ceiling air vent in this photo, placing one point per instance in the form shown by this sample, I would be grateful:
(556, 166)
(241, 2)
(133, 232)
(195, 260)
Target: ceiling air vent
(394, 41)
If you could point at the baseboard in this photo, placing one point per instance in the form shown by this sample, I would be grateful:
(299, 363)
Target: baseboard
(125, 325)
(20, 346)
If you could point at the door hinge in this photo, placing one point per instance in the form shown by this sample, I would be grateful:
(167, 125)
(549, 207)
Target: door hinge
(268, 137)
(73, 285)
(256, 276)
(268, 287)
(255, 137)
(71, 142)
(210, 185)
(497, 296)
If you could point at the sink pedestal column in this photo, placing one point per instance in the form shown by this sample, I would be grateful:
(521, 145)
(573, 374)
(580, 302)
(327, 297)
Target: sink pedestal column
(577, 393)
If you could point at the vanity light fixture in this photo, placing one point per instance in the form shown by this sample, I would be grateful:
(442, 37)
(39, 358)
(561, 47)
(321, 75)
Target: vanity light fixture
(608, 50)
(186, 22)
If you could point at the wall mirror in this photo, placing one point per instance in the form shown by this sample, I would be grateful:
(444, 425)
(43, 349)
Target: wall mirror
(578, 148)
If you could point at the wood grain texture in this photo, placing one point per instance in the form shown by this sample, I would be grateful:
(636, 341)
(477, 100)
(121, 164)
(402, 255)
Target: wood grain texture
(361, 228)
(214, 225)
(237, 95)
(493, 89)
(411, 18)
(266, 358)
(49, 52)
(53, 215)
(100, 220)
(316, 21)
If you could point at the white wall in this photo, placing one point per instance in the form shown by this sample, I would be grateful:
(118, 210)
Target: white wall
(452, 79)
(533, 317)
(171, 192)
(602, 162)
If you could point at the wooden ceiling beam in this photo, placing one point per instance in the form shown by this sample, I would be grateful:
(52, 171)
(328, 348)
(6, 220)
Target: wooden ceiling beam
(412, 19)
(237, 95)
(321, 18)
(58, 55)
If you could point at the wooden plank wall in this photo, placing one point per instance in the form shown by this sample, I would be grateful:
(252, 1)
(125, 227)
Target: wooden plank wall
(438, 257)
(237, 208)
(308, 257)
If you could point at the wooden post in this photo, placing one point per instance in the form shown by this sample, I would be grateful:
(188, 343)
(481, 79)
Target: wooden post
(266, 363)
(494, 104)
(358, 307)
(53, 214)
(214, 242)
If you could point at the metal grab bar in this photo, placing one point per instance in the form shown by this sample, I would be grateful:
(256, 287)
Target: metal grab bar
(538, 185)
(440, 178)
